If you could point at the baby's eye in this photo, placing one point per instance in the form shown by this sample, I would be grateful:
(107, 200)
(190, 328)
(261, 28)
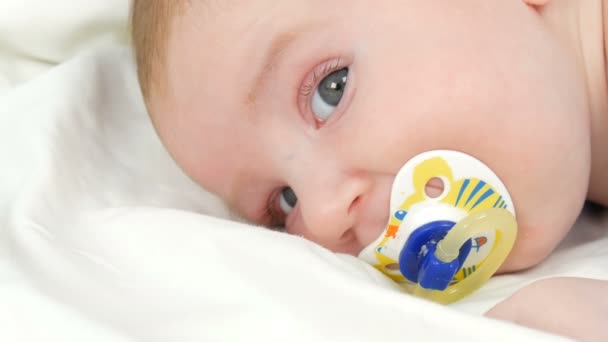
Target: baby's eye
(287, 200)
(328, 94)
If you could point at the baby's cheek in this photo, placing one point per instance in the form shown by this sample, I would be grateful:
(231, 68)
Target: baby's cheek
(536, 240)
(532, 246)
(545, 215)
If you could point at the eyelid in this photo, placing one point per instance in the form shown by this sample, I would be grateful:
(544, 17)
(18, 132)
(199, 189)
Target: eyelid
(310, 84)
(276, 215)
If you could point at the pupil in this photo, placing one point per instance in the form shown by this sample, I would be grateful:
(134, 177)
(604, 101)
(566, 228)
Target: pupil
(332, 87)
(290, 197)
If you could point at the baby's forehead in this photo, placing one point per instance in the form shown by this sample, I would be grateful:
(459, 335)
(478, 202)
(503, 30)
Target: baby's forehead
(220, 30)
(234, 38)
(229, 19)
(233, 16)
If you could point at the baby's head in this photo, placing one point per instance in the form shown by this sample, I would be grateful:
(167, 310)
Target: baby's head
(300, 113)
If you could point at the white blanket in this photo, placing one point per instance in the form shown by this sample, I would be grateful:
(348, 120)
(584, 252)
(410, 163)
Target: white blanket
(37, 34)
(103, 238)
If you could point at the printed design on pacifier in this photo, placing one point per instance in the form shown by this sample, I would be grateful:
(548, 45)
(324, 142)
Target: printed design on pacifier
(445, 247)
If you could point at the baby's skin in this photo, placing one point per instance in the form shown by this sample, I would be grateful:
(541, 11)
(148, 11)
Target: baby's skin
(299, 114)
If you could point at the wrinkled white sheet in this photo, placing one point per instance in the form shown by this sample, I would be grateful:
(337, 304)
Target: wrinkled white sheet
(103, 238)
(38, 34)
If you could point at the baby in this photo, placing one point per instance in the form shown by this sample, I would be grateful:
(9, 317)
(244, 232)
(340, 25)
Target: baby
(299, 114)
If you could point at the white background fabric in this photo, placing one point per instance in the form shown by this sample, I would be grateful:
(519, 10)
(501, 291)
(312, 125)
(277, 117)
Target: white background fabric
(103, 238)
(37, 34)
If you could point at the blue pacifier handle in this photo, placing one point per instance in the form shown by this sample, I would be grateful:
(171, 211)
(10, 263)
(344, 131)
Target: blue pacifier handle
(417, 260)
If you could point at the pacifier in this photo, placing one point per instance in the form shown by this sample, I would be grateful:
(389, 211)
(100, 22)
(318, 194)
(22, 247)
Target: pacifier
(444, 248)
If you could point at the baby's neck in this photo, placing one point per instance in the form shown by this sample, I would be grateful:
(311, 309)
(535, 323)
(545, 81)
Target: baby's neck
(583, 26)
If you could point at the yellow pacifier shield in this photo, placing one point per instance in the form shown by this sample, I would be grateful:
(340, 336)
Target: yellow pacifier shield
(462, 235)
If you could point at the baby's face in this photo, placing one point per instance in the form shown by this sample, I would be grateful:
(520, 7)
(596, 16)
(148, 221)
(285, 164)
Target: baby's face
(300, 113)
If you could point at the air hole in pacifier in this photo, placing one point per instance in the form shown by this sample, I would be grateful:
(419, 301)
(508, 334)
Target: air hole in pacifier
(434, 187)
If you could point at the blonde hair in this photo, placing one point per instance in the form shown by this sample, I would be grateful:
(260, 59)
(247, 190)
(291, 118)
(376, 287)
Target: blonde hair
(150, 28)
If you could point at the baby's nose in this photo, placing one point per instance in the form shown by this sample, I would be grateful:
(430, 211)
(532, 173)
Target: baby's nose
(330, 208)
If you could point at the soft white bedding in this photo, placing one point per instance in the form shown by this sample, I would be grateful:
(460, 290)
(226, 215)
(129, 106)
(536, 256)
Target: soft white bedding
(37, 34)
(103, 238)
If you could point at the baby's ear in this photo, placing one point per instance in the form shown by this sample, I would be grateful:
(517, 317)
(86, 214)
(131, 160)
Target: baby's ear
(537, 3)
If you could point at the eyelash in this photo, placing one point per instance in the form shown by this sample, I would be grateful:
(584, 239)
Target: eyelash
(276, 217)
(321, 71)
(310, 84)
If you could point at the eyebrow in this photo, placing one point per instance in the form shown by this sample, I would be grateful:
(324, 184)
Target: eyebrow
(272, 58)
